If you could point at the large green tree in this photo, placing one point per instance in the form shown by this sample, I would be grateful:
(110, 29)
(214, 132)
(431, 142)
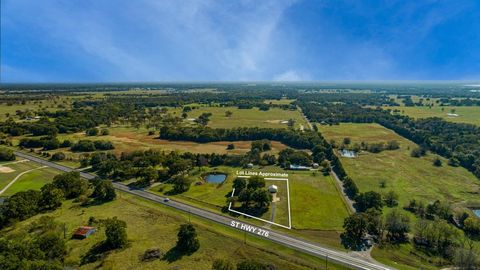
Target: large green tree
(116, 233)
(187, 239)
(71, 184)
(355, 229)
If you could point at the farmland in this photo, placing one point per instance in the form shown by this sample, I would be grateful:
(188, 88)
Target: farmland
(247, 117)
(466, 114)
(408, 176)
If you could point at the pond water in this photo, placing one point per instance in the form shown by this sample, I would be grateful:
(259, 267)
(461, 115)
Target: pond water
(477, 212)
(216, 178)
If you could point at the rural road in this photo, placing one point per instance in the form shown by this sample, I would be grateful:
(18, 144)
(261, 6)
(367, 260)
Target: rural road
(277, 237)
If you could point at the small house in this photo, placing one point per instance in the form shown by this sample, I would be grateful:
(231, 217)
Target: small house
(84, 232)
(315, 165)
(249, 165)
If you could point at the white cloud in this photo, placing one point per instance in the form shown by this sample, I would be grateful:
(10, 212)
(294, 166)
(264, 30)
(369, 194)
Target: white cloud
(290, 76)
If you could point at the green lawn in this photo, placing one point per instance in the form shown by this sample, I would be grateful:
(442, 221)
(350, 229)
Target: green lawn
(315, 202)
(31, 180)
(409, 177)
(6, 177)
(151, 225)
(470, 115)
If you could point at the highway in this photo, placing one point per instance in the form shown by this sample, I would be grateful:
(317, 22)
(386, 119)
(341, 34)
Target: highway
(274, 236)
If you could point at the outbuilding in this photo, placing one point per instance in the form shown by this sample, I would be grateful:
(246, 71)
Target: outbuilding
(84, 232)
(273, 189)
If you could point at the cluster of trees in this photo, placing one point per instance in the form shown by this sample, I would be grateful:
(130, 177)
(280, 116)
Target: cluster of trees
(252, 194)
(443, 211)
(6, 154)
(25, 204)
(289, 156)
(90, 146)
(58, 156)
(43, 247)
(261, 145)
(203, 119)
(312, 140)
(95, 132)
(393, 228)
(46, 142)
(305, 140)
(349, 185)
(174, 166)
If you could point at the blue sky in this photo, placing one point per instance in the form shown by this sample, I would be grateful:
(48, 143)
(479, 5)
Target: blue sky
(251, 40)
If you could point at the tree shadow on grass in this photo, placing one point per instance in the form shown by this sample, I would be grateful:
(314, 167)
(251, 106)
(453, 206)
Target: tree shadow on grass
(175, 254)
(98, 252)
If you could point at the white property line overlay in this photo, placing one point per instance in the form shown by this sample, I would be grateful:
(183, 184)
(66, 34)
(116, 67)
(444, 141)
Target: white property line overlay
(261, 219)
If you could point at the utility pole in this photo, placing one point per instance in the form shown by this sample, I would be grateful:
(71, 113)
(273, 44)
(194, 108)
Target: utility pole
(326, 262)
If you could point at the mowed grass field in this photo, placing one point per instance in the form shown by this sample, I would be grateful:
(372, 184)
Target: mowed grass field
(409, 177)
(9, 170)
(469, 115)
(316, 202)
(33, 179)
(246, 117)
(152, 225)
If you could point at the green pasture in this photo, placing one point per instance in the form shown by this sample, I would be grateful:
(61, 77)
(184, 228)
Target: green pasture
(32, 180)
(409, 177)
(151, 225)
(8, 170)
(315, 202)
(469, 115)
(247, 117)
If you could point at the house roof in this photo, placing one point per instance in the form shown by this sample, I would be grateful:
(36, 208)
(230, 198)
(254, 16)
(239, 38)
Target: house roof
(83, 230)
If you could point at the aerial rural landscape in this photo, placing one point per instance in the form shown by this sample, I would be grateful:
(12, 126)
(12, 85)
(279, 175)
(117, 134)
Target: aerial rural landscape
(240, 135)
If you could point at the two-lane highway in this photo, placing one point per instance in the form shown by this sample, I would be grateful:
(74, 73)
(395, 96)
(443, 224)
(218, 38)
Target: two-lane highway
(277, 237)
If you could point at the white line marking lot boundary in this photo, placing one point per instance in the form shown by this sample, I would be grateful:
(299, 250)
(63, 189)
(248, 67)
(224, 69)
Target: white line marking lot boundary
(261, 219)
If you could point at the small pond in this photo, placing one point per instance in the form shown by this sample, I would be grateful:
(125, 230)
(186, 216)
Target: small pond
(477, 212)
(215, 178)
